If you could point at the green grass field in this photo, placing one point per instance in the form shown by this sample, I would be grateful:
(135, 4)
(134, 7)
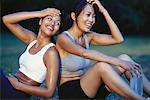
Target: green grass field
(137, 47)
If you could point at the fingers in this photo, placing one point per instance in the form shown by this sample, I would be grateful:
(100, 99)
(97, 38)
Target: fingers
(134, 69)
(138, 68)
(56, 11)
(11, 77)
(50, 11)
(98, 3)
(135, 73)
(91, 2)
(53, 11)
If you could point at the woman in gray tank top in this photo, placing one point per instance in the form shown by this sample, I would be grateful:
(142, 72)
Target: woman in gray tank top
(102, 77)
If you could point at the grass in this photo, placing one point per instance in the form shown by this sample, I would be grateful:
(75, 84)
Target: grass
(137, 47)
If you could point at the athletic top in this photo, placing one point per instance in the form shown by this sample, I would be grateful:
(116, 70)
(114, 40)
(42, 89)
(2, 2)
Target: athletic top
(32, 65)
(73, 63)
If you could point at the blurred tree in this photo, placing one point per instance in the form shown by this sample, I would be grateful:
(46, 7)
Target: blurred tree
(131, 16)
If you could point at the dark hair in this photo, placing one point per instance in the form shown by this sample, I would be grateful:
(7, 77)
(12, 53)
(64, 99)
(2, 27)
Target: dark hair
(76, 8)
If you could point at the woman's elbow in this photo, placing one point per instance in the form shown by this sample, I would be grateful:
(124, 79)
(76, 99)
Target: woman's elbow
(120, 40)
(49, 93)
(4, 18)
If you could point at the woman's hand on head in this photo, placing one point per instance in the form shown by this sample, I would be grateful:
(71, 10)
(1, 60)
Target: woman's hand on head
(14, 82)
(49, 11)
(98, 3)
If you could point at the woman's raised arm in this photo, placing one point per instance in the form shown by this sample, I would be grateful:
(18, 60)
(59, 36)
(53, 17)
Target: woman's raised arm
(12, 20)
(115, 37)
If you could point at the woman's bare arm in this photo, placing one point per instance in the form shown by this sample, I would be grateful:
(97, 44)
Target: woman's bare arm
(12, 20)
(115, 37)
(12, 23)
(65, 43)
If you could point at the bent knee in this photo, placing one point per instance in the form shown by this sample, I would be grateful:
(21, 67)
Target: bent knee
(125, 57)
(102, 67)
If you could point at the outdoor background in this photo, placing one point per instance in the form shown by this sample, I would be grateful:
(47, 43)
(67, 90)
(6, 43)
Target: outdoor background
(131, 16)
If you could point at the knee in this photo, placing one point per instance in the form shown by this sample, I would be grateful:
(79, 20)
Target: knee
(125, 57)
(102, 67)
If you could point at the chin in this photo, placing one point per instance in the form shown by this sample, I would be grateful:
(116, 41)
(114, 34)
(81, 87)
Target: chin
(87, 30)
(49, 34)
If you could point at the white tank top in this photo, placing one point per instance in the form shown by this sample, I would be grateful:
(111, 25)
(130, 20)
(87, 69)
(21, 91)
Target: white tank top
(32, 65)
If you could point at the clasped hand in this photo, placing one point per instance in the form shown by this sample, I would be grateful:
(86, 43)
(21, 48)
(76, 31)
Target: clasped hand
(132, 67)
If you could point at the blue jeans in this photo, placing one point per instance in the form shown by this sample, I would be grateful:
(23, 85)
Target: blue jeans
(8, 91)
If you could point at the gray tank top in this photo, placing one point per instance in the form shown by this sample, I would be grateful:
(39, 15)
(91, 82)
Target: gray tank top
(73, 63)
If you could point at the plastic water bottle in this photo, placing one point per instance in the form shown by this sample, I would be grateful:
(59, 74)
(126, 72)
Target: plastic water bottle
(140, 85)
(136, 84)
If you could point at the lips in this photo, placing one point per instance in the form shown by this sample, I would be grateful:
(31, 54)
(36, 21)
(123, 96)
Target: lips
(50, 27)
(89, 25)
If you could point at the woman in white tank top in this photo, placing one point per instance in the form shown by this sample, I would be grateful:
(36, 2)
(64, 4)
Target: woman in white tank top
(40, 61)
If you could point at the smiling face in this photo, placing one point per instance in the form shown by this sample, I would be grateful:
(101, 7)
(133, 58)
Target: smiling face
(86, 18)
(50, 25)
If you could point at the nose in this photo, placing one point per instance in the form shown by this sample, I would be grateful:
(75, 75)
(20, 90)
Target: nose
(52, 23)
(91, 19)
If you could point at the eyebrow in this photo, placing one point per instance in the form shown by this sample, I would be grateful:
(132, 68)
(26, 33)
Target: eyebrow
(53, 17)
(58, 20)
(89, 12)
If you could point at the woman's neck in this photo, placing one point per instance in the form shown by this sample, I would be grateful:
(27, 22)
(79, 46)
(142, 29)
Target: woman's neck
(76, 32)
(42, 40)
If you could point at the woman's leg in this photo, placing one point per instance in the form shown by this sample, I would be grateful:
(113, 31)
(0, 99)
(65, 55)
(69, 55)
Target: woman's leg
(102, 72)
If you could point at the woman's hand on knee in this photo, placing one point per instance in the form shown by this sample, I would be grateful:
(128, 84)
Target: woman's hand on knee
(132, 67)
(137, 69)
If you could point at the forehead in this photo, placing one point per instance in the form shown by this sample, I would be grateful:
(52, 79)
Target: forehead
(88, 8)
(53, 17)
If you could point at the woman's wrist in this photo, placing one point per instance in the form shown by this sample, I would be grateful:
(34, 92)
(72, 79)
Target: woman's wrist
(121, 63)
(36, 14)
(18, 86)
(116, 61)
(101, 8)
(103, 11)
